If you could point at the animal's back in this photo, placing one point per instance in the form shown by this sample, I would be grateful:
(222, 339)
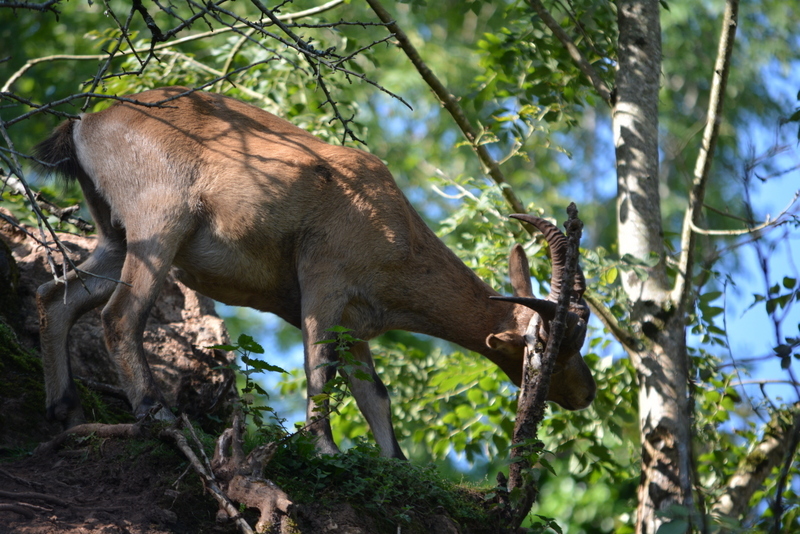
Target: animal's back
(267, 199)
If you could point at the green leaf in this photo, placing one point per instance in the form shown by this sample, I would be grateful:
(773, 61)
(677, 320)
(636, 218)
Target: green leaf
(609, 276)
(363, 375)
(711, 311)
(262, 366)
(547, 466)
(248, 344)
(710, 296)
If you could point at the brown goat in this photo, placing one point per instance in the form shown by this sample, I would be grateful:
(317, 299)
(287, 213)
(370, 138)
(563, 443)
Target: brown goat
(253, 211)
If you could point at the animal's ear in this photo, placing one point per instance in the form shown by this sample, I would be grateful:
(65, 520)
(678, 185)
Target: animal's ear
(519, 272)
(508, 342)
(509, 352)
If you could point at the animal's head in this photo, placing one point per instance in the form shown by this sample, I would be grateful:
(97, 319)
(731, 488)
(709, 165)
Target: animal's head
(572, 385)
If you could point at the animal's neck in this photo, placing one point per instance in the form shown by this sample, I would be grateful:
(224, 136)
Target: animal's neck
(450, 302)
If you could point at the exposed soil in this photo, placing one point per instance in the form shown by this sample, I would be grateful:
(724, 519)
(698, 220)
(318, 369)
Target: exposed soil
(105, 487)
(144, 486)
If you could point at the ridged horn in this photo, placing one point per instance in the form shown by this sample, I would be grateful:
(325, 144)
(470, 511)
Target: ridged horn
(558, 256)
(545, 308)
(558, 250)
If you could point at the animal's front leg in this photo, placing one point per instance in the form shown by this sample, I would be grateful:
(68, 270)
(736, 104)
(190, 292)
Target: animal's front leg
(317, 375)
(372, 398)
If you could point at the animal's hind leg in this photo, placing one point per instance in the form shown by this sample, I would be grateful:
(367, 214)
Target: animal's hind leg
(60, 305)
(373, 400)
(153, 237)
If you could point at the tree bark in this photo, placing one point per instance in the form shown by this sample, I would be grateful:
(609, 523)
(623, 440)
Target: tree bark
(660, 360)
(756, 467)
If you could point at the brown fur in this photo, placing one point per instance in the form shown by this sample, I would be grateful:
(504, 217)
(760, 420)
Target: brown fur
(253, 211)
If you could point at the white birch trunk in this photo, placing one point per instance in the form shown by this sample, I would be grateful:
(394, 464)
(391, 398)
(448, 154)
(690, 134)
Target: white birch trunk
(660, 361)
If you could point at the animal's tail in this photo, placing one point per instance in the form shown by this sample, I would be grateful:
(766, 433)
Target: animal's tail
(57, 154)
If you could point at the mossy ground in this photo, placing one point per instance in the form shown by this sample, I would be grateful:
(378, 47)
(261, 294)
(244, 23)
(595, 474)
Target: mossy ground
(391, 493)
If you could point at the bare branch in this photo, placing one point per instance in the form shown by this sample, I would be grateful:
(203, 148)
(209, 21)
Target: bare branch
(110, 57)
(226, 67)
(288, 16)
(538, 368)
(123, 431)
(764, 381)
(18, 509)
(50, 5)
(769, 222)
(42, 220)
(65, 214)
(682, 290)
(205, 473)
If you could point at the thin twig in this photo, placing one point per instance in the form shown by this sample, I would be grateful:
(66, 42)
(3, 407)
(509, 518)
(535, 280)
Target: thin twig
(766, 224)
(42, 220)
(205, 472)
(288, 16)
(44, 6)
(682, 290)
(235, 49)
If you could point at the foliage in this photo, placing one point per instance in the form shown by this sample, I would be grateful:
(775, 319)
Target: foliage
(540, 117)
(251, 390)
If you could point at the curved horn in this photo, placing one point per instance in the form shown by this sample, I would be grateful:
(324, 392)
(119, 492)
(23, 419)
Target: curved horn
(545, 308)
(558, 250)
(558, 256)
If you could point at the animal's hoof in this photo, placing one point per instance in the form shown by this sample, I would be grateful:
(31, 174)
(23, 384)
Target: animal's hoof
(67, 411)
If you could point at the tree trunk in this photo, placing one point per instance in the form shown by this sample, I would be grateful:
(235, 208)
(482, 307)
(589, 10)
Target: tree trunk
(660, 359)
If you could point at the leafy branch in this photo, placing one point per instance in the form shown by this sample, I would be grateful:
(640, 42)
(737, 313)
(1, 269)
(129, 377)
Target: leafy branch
(162, 42)
(450, 103)
(574, 52)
